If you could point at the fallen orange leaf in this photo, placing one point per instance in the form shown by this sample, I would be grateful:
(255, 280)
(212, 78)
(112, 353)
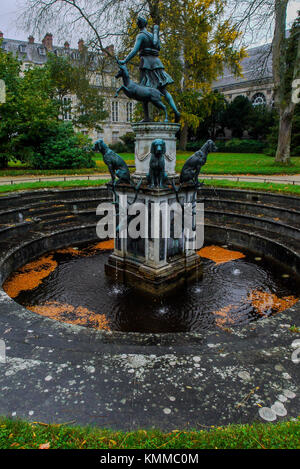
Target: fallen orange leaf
(219, 255)
(44, 446)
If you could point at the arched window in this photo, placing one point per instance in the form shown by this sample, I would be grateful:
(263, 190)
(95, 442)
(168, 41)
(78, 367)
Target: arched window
(259, 99)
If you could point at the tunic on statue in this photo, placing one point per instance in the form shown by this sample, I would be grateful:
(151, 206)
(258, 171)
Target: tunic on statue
(152, 71)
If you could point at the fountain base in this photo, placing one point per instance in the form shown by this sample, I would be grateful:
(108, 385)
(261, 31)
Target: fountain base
(155, 280)
(161, 258)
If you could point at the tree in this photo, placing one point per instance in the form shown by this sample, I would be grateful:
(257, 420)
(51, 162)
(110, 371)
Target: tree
(261, 120)
(261, 15)
(295, 139)
(214, 121)
(9, 72)
(295, 144)
(196, 41)
(74, 78)
(286, 70)
(63, 148)
(28, 111)
(237, 115)
(30, 119)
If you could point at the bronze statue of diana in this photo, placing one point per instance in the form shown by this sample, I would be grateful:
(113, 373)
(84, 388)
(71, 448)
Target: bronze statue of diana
(152, 72)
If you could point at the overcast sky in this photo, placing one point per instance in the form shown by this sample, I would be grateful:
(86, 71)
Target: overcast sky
(10, 10)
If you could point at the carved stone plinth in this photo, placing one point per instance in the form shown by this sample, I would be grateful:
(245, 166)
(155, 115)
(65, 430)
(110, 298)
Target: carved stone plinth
(162, 259)
(145, 133)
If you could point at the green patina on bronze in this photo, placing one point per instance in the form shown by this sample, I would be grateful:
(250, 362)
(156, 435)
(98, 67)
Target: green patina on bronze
(152, 71)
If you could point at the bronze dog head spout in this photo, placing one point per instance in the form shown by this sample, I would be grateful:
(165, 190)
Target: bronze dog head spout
(157, 176)
(158, 147)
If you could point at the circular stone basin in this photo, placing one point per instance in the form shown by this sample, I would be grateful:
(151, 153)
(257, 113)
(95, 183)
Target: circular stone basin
(70, 285)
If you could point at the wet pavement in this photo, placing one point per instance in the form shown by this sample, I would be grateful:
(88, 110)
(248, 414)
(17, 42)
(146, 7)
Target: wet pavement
(55, 372)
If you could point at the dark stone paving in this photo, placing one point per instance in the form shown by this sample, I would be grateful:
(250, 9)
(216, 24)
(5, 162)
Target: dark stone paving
(56, 372)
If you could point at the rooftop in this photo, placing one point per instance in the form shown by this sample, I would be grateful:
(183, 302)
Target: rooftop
(258, 65)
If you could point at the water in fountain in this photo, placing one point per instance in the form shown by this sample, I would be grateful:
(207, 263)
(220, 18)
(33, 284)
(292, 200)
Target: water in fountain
(230, 293)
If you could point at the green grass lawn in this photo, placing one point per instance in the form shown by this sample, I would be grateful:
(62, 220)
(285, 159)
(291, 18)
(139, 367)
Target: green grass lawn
(21, 435)
(268, 186)
(217, 163)
(25, 171)
(49, 184)
(225, 163)
(273, 187)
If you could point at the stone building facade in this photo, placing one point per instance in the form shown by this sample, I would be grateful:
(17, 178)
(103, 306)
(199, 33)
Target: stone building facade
(256, 82)
(120, 110)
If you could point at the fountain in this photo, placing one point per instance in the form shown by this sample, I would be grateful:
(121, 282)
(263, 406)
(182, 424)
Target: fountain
(140, 363)
(157, 221)
(162, 254)
(158, 255)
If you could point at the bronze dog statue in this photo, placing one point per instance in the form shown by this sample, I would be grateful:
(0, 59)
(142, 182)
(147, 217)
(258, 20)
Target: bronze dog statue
(116, 165)
(157, 175)
(191, 168)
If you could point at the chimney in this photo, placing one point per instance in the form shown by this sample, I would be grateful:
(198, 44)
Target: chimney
(1, 34)
(48, 41)
(31, 40)
(66, 45)
(81, 45)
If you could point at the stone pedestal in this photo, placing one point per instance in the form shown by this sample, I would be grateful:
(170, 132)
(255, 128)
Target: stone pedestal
(160, 260)
(145, 133)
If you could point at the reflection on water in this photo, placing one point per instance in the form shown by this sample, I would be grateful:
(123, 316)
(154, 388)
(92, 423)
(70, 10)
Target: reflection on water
(71, 286)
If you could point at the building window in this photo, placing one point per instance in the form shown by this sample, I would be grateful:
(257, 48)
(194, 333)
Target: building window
(114, 82)
(259, 99)
(42, 50)
(115, 137)
(95, 60)
(115, 111)
(67, 109)
(22, 48)
(129, 111)
(99, 80)
(82, 110)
